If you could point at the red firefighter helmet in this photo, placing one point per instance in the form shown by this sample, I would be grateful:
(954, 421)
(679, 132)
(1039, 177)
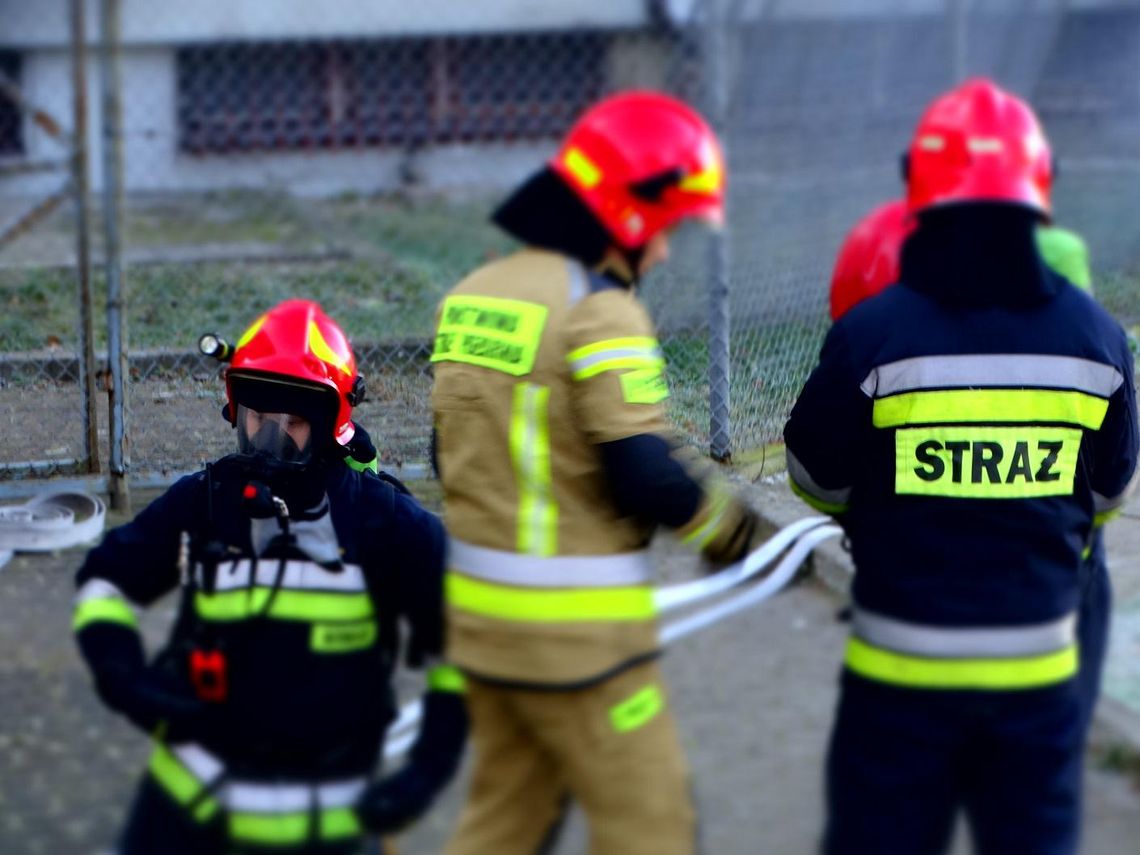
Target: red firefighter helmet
(868, 261)
(295, 359)
(979, 143)
(642, 161)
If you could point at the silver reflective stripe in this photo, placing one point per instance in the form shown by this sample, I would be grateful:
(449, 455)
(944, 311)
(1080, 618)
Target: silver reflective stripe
(257, 797)
(1103, 504)
(993, 370)
(579, 281)
(202, 764)
(963, 642)
(798, 473)
(289, 798)
(649, 354)
(298, 575)
(98, 589)
(559, 571)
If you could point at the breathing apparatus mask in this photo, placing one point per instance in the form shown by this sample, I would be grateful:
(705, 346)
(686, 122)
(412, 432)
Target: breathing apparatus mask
(284, 430)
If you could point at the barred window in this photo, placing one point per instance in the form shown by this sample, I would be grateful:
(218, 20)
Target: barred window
(11, 122)
(393, 92)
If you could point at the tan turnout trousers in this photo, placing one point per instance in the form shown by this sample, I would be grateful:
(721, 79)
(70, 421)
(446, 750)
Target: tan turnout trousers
(612, 748)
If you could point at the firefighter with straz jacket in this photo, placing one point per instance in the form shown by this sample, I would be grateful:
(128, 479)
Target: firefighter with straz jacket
(557, 464)
(868, 261)
(969, 427)
(269, 703)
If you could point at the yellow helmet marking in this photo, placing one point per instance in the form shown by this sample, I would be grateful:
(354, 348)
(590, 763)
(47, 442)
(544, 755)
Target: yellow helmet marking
(254, 328)
(709, 181)
(582, 168)
(323, 351)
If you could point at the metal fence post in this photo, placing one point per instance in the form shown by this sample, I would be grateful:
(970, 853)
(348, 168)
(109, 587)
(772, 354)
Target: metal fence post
(720, 419)
(112, 120)
(959, 40)
(81, 186)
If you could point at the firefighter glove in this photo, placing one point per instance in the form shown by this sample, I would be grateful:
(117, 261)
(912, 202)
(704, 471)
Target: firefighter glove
(149, 700)
(397, 801)
(738, 531)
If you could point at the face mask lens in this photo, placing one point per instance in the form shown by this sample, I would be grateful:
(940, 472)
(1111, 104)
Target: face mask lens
(282, 436)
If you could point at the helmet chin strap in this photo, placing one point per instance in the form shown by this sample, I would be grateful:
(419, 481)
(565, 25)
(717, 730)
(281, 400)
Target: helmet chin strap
(622, 265)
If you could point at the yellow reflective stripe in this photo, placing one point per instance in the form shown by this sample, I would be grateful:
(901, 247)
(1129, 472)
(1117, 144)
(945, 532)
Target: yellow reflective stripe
(287, 605)
(491, 332)
(644, 386)
(269, 828)
(708, 182)
(180, 782)
(954, 406)
(584, 170)
(986, 462)
(1102, 517)
(537, 532)
(830, 508)
(637, 352)
(645, 363)
(637, 710)
(372, 465)
(700, 536)
(324, 352)
(446, 678)
(336, 823)
(1022, 672)
(103, 610)
(647, 343)
(254, 328)
(293, 827)
(342, 637)
(549, 606)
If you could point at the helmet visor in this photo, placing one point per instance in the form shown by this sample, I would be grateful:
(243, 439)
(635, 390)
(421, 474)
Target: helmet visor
(286, 437)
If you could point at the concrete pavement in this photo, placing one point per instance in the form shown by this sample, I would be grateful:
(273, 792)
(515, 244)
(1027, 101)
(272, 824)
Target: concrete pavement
(754, 698)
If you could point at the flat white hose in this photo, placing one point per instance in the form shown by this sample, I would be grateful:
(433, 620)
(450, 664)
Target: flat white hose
(754, 595)
(51, 522)
(803, 536)
(671, 597)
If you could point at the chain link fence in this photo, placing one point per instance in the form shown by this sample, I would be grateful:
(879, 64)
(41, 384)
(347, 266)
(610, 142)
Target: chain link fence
(351, 154)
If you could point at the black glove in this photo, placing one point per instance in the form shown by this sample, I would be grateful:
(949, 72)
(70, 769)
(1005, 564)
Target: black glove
(397, 801)
(148, 696)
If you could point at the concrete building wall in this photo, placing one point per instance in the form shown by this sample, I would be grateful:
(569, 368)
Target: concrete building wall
(40, 23)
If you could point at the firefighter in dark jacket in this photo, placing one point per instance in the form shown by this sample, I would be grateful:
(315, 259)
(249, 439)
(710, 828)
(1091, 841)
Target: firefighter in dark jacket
(269, 703)
(868, 262)
(969, 428)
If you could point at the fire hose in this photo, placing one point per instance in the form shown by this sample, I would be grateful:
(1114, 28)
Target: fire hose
(794, 542)
(50, 522)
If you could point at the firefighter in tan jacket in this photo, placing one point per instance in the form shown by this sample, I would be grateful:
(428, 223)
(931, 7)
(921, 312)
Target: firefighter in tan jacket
(557, 465)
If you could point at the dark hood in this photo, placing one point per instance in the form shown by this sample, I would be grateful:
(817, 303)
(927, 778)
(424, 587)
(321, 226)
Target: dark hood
(982, 254)
(543, 212)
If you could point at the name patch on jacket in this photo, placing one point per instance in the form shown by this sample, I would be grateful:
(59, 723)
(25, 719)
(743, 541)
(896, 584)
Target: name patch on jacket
(490, 332)
(986, 462)
(342, 637)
